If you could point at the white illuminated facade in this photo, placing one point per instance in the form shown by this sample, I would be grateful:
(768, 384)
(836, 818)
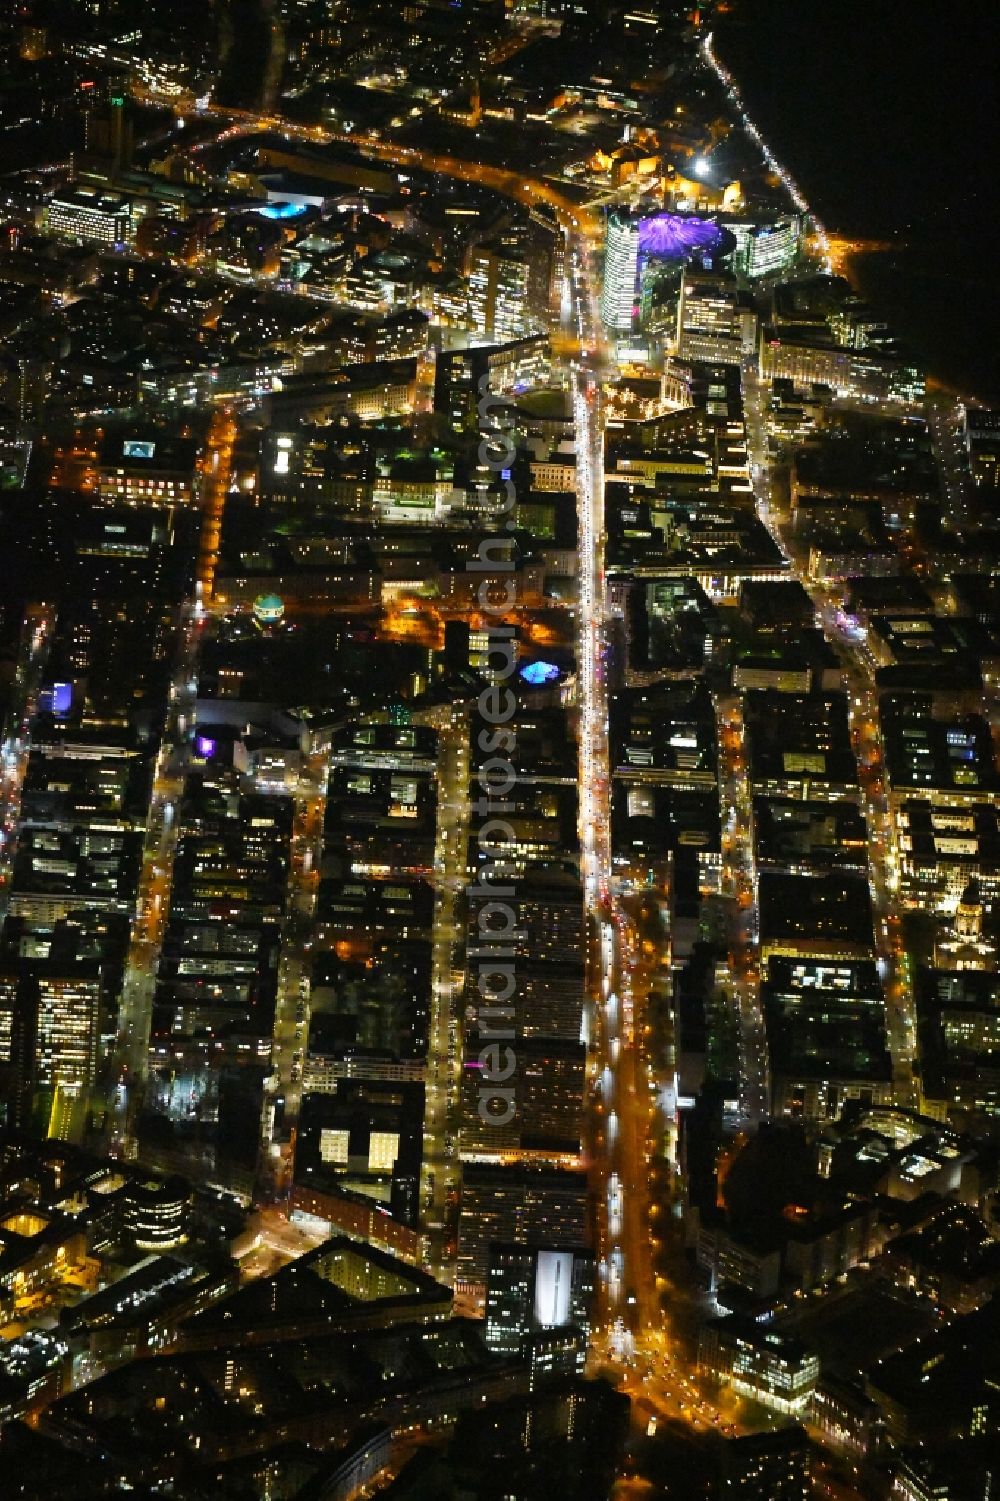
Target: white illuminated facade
(714, 323)
(773, 247)
(621, 270)
(553, 1286)
(66, 1033)
(770, 1370)
(500, 294)
(764, 249)
(88, 214)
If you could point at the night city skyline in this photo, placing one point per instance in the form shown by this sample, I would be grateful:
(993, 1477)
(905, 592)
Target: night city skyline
(499, 726)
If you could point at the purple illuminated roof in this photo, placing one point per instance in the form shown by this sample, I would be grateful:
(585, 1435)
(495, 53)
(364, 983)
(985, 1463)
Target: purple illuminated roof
(677, 236)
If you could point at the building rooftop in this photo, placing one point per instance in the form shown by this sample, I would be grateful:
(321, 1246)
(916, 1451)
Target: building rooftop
(829, 913)
(342, 1284)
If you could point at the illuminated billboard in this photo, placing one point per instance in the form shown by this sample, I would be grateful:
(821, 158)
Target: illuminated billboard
(56, 699)
(553, 1286)
(133, 449)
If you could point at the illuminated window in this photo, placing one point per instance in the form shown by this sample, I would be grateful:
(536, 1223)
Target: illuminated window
(333, 1146)
(383, 1149)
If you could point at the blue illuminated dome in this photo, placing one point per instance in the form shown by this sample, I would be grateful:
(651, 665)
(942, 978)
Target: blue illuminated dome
(283, 210)
(538, 673)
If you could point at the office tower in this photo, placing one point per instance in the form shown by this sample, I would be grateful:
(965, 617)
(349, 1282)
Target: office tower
(508, 288)
(503, 1205)
(88, 214)
(530, 1289)
(49, 1030)
(241, 1104)
(109, 133)
(773, 247)
(66, 1035)
(543, 1012)
(763, 249)
(549, 1093)
(715, 321)
(982, 435)
(621, 270)
(156, 1213)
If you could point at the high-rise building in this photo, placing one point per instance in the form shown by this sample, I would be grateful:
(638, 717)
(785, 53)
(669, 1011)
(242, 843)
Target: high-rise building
(49, 1031)
(774, 247)
(763, 249)
(621, 271)
(66, 1031)
(109, 132)
(549, 1091)
(982, 431)
(547, 1000)
(644, 256)
(520, 1205)
(508, 288)
(715, 321)
(156, 1213)
(533, 1289)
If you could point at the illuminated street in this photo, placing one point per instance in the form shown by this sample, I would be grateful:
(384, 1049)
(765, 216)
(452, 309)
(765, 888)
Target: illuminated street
(500, 752)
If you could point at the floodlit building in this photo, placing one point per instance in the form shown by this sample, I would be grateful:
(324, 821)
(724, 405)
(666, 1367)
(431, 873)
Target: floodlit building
(156, 1213)
(715, 321)
(765, 249)
(49, 1034)
(87, 214)
(508, 290)
(533, 1290)
(66, 1032)
(621, 270)
(759, 1363)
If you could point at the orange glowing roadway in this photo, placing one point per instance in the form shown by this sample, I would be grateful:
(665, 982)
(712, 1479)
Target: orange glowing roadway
(657, 1368)
(216, 467)
(841, 249)
(530, 191)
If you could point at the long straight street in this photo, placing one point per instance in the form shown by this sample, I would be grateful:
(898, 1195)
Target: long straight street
(36, 637)
(163, 816)
(291, 1010)
(440, 1167)
(628, 1301)
(858, 671)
